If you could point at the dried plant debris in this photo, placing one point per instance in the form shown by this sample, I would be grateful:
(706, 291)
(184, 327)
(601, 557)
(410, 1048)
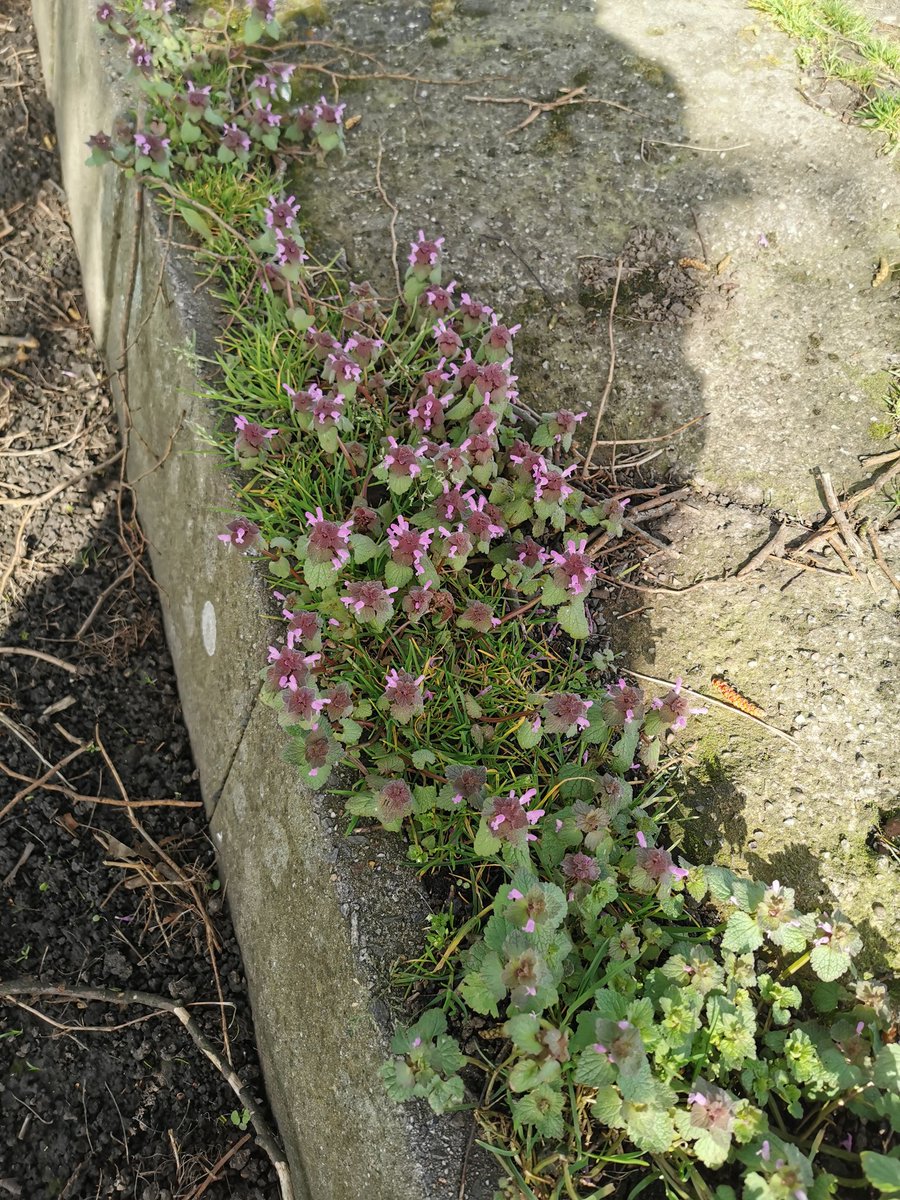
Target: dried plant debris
(662, 283)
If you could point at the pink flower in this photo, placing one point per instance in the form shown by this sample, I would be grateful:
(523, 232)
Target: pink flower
(478, 616)
(448, 341)
(500, 337)
(289, 668)
(369, 601)
(251, 438)
(567, 714)
(485, 520)
(328, 541)
(408, 546)
(394, 801)
(424, 256)
(457, 544)
(624, 703)
(427, 413)
(242, 533)
(509, 818)
(550, 484)
(572, 570)
(579, 868)
(438, 299)
(674, 708)
(403, 461)
(403, 692)
(281, 214)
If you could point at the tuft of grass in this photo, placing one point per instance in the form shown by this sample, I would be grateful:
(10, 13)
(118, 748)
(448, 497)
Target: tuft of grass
(840, 42)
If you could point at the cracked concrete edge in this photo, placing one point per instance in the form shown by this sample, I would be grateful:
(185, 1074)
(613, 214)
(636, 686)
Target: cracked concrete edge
(320, 918)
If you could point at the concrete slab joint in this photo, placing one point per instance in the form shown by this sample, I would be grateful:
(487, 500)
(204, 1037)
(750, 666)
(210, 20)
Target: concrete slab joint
(317, 943)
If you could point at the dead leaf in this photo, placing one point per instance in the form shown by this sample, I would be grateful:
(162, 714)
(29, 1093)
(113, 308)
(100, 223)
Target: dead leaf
(883, 272)
(353, 121)
(723, 264)
(695, 264)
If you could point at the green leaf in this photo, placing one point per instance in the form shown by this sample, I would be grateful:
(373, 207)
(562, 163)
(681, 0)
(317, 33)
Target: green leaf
(528, 1073)
(190, 132)
(319, 575)
(882, 1171)
(446, 1055)
(649, 1128)
(526, 736)
(825, 997)
(522, 1030)
(607, 1107)
(573, 619)
(396, 575)
(423, 758)
(192, 218)
(482, 989)
(552, 594)
(887, 1068)
(363, 547)
(828, 962)
(594, 1070)
(444, 1094)
(542, 1108)
(224, 155)
(742, 934)
(486, 844)
(280, 568)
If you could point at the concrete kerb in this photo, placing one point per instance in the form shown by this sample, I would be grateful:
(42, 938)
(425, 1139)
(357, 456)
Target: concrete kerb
(319, 918)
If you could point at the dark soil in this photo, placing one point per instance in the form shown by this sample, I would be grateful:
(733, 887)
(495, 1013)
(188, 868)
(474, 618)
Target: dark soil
(86, 899)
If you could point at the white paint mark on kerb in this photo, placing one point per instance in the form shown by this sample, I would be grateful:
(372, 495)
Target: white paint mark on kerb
(208, 628)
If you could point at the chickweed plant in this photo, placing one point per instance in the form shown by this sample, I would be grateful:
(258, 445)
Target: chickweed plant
(629, 1019)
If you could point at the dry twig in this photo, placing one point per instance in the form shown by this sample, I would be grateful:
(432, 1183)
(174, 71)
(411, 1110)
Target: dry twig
(13, 988)
(601, 407)
(48, 658)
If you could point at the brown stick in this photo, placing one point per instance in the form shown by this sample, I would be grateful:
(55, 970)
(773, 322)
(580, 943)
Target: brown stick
(109, 801)
(49, 658)
(609, 379)
(394, 213)
(775, 545)
(212, 1175)
(840, 517)
(664, 437)
(34, 501)
(12, 988)
(880, 559)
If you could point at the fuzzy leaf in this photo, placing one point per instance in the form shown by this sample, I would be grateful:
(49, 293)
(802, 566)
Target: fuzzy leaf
(482, 989)
(319, 575)
(573, 619)
(882, 1171)
(522, 1030)
(828, 962)
(553, 595)
(446, 1055)
(742, 934)
(486, 845)
(528, 1073)
(363, 547)
(607, 1108)
(526, 736)
(280, 568)
(396, 575)
(541, 1108)
(887, 1068)
(594, 1070)
(444, 1094)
